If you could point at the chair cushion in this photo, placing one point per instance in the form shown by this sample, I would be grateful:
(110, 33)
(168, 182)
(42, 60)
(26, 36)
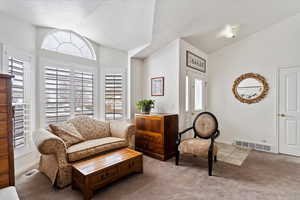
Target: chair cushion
(93, 147)
(196, 146)
(67, 132)
(91, 128)
(9, 193)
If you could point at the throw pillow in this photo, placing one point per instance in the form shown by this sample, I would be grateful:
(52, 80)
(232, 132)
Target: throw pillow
(67, 132)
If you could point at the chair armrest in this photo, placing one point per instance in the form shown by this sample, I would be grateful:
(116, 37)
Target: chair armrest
(181, 133)
(48, 143)
(216, 134)
(123, 129)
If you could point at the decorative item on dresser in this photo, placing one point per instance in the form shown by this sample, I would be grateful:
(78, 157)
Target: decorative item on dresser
(156, 135)
(7, 177)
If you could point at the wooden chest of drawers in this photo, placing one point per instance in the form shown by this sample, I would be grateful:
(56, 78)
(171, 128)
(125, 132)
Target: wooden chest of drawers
(6, 135)
(94, 173)
(156, 135)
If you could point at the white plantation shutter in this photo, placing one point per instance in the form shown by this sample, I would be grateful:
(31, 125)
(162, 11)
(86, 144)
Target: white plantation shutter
(113, 96)
(58, 94)
(21, 116)
(68, 93)
(84, 92)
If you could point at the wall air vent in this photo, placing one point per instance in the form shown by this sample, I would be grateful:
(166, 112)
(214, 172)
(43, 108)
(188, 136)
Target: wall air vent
(252, 145)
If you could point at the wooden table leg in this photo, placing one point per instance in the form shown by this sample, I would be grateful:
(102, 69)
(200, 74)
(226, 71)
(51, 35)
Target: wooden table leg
(88, 194)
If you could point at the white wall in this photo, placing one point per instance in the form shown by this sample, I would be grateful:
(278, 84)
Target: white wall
(16, 33)
(263, 53)
(184, 47)
(164, 62)
(135, 85)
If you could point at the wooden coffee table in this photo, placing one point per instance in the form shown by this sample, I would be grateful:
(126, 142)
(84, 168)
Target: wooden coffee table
(92, 174)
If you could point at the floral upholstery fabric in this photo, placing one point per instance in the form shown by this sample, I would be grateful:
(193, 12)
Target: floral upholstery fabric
(92, 147)
(123, 129)
(54, 162)
(205, 125)
(67, 132)
(91, 128)
(196, 146)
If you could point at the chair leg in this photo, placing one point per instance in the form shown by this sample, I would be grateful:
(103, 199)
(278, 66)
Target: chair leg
(215, 158)
(177, 158)
(210, 164)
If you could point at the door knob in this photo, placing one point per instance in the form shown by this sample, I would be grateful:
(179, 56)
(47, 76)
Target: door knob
(282, 115)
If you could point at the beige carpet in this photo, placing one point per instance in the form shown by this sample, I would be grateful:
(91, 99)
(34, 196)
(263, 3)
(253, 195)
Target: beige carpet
(262, 176)
(232, 154)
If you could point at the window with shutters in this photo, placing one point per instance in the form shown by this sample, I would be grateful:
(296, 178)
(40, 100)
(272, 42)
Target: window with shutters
(68, 93)
(21, 108)
(58, 94)
(84, 93)
(113, 96)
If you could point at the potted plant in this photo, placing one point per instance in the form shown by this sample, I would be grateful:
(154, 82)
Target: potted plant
(145, 105)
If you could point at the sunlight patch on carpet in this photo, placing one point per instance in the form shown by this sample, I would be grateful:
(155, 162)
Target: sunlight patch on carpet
(232, 154)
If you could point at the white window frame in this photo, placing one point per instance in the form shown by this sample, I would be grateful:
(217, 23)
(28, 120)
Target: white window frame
(29, 91)
(44, 62)
(84, 40)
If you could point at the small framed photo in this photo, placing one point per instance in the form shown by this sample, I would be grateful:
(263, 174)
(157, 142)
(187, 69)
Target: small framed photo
(157, 86)
(195, 62)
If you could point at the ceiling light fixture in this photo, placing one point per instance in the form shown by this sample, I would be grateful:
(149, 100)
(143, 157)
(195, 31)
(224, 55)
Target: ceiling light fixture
(229, 31)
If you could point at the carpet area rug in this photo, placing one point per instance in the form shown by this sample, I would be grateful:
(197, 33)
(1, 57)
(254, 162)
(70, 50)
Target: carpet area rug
(263, 176)
(232, 154)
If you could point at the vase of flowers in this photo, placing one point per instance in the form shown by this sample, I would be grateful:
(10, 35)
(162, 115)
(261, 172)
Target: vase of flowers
(145, 105)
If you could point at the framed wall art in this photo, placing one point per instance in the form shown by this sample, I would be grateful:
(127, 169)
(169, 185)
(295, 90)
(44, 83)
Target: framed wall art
(157, 86)
(195, 62)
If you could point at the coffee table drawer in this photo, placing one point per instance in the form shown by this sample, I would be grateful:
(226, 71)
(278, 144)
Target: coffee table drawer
(105, 176)
(130, 166)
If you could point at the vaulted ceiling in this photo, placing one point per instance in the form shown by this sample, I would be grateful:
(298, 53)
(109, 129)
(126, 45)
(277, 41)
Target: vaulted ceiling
(131, 24)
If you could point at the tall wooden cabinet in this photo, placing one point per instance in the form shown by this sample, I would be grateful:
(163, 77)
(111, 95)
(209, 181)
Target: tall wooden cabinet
(156, 135)
(6, 134)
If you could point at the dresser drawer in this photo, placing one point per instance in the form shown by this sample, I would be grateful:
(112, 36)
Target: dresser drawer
(3, 129)
(3, 116)
(149, 124)
(3, 98)
(154, 138)
(105, 176)
(4, 164)
(3, 109)
(3, 85)
(3, 147)
(4, 180)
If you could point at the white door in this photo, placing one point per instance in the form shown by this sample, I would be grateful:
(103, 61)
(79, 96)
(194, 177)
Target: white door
(289, 111)
(195, 96)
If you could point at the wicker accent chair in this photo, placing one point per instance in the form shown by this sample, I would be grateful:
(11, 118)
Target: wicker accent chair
(205, 128)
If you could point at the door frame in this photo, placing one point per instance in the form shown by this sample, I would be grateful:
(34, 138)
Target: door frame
(277, 101)
(190, 74)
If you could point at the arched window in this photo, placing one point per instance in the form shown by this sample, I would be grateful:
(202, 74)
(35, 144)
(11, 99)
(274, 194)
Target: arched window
(69, 43)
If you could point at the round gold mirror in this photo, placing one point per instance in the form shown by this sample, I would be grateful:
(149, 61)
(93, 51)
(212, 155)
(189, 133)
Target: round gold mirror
(250, 88)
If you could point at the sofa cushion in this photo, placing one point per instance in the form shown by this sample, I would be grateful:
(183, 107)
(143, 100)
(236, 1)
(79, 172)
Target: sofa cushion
(9, 193)
(93, 147)
(67, 132)
(91, 128)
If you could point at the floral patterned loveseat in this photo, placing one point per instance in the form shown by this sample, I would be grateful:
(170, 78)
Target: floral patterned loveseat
(57, 155)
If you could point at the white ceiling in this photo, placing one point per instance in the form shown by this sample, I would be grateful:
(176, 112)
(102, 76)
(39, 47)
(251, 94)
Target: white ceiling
(121, 24)
(199, 21)
(130, 24)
